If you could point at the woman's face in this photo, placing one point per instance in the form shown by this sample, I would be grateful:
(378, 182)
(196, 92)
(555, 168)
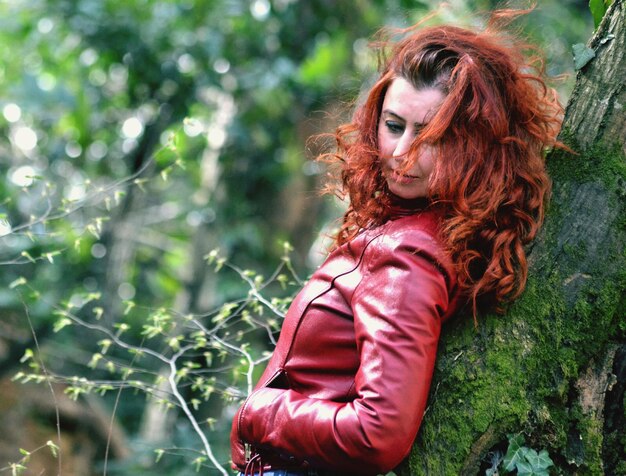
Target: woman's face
(405, 112)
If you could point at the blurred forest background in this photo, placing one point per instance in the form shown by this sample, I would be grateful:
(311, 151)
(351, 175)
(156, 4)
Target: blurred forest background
(136, 137)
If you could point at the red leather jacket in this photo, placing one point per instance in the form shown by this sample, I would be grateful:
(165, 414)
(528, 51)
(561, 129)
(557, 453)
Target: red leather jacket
(347, 385)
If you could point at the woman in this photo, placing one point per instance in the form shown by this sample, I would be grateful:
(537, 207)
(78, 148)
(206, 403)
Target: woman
(443, 165)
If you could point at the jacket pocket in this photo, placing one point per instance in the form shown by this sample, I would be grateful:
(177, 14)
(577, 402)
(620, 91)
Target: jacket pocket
(279, 379)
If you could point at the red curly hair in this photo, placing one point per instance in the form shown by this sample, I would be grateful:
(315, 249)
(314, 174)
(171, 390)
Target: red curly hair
(490, 135)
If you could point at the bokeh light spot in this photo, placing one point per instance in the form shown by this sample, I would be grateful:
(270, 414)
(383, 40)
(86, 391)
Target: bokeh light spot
(132, 128)
(25, 138)
(12, 112)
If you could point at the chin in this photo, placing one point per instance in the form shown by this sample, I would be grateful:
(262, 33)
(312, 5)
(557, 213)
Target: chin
(407, 194)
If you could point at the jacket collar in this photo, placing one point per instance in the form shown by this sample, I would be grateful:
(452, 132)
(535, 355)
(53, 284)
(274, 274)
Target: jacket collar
(401, 207)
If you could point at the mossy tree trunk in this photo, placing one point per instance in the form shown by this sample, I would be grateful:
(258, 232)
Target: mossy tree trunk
(554, 368)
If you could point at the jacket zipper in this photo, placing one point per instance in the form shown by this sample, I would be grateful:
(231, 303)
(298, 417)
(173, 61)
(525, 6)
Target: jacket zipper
(331, 285)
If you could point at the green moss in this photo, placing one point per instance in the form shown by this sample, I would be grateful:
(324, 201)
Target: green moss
(601, 162)
(518, 372)
(591, 433)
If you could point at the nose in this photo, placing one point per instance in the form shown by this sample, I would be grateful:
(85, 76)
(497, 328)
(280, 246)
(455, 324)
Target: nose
(403, 146)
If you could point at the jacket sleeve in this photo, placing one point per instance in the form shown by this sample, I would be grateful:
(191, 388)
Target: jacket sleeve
(397, 311)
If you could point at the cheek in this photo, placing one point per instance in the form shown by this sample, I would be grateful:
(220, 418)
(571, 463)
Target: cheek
(427, 160)
(381, 142)
(385, 144)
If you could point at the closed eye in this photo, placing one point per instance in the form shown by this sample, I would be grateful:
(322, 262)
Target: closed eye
(418, 129)
(394, 127)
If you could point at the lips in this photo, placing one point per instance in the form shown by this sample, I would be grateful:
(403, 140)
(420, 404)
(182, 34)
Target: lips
(402, 178)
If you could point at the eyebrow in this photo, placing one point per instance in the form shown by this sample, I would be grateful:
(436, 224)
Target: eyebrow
(391, 113)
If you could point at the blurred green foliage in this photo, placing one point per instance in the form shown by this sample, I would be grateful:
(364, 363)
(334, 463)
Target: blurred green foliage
(138, 135)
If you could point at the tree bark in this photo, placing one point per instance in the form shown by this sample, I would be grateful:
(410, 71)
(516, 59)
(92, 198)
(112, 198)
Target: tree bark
(553, 368)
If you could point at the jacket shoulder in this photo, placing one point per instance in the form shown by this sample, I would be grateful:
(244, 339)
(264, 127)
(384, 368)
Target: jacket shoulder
(411, 239)
(420, 231)
(417, 234)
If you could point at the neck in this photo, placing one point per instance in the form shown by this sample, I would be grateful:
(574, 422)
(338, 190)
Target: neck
(406, 206)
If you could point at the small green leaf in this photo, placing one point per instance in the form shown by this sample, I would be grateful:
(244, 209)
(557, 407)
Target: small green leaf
(27, 255)
(93, 229)
(127, 372)
(18, 282)
(119, 194)
(523, 467)
(198, 462)
(104, 389)
(61, 323)
(16, 469)
(129, 306)
(121, 328)
(28, 355)
(105, 343)
(582, 55)
(140, 183)
(73, 392)
(174, 343)
(598, 9)
(54, 449)
(50, 256)
(17, 376)
(540, 460)
(93, 363)
(515, 452)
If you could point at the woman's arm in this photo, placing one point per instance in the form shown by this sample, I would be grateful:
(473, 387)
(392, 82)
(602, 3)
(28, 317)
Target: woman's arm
(397, 318)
